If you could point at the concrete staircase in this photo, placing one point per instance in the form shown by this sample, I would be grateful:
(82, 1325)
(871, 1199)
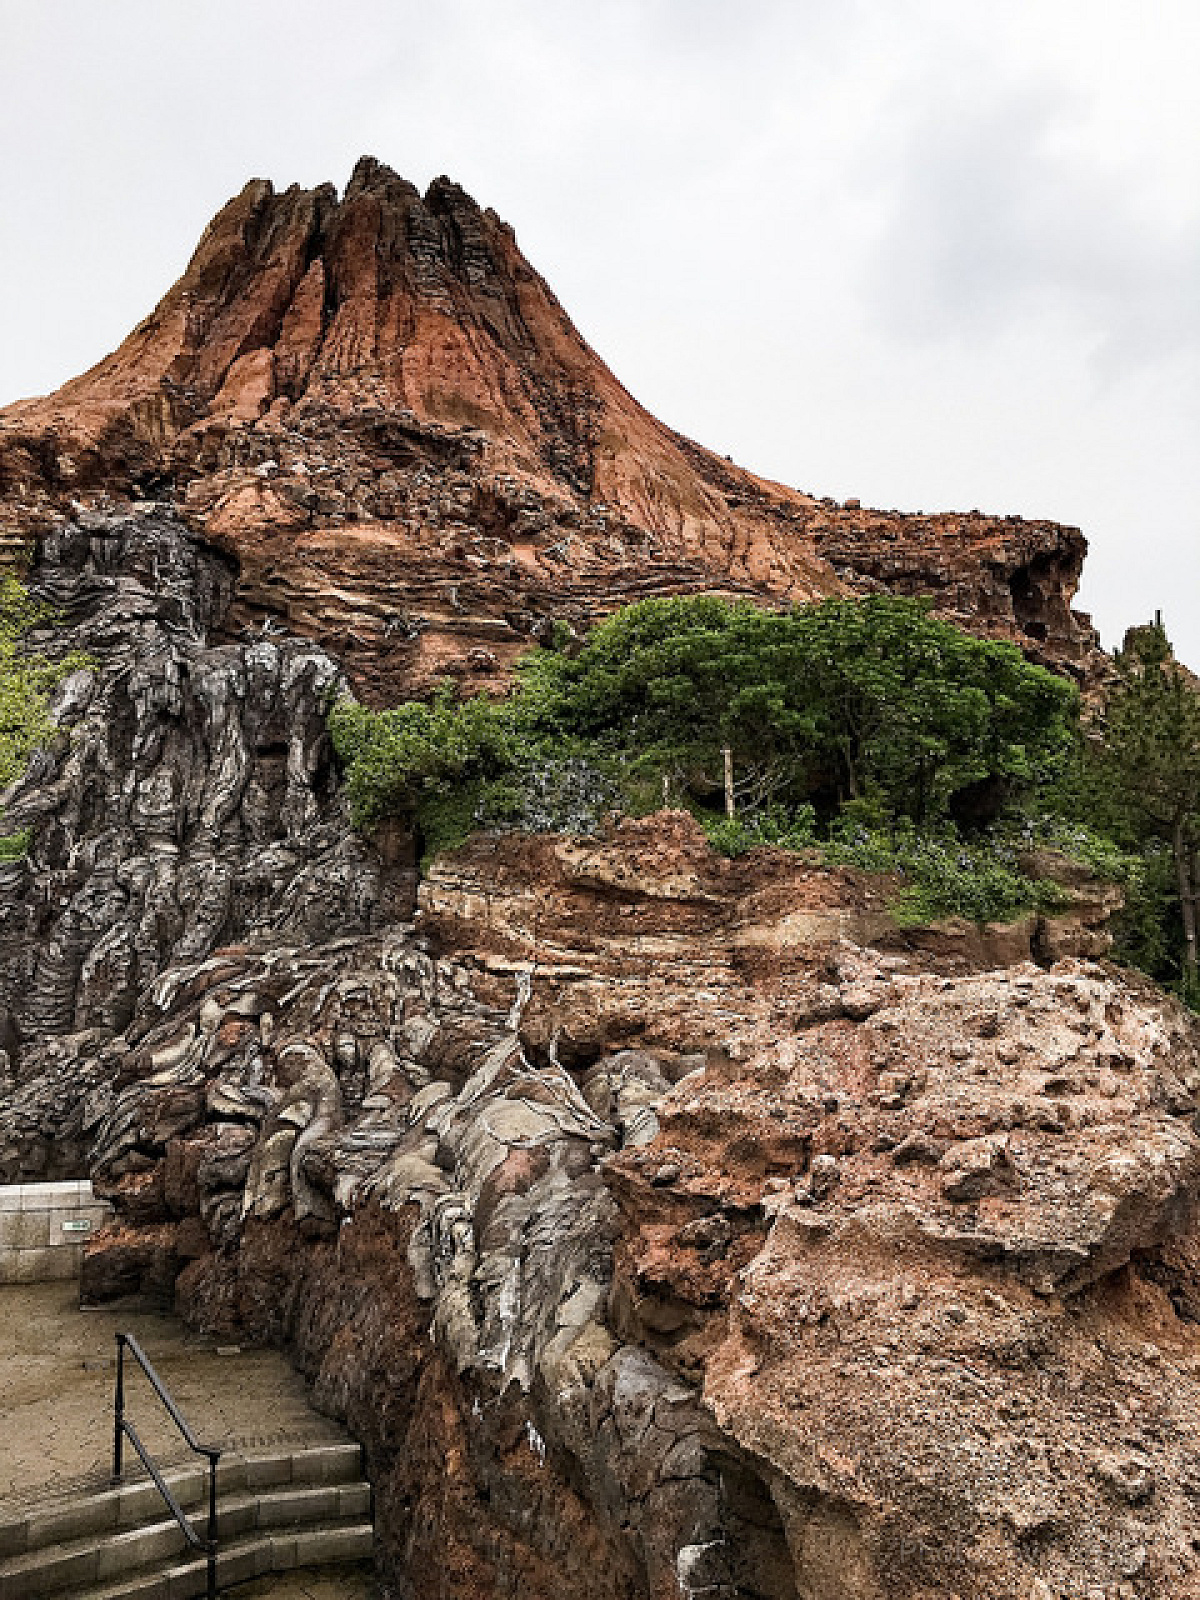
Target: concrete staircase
(293, 1506)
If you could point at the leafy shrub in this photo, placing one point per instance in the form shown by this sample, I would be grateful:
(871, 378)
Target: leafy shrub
(941, 873)
(871, 710)
(1144, 931)
(14, 846)
(945, 875)
(397, 759)
(734, 836)
(548, 792)
(27, 679)
(447, 820)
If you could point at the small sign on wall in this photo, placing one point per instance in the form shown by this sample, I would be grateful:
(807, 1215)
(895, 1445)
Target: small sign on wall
(77, 1225)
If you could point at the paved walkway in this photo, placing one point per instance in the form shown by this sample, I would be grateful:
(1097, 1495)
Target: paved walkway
(314, 1583)
(57, 1370)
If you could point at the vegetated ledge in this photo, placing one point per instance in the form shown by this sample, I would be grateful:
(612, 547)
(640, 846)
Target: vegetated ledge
(650, 903)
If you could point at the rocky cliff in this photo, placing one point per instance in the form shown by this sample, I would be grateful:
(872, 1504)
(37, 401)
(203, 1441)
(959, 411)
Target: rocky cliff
(664, 1225)
(377, 408)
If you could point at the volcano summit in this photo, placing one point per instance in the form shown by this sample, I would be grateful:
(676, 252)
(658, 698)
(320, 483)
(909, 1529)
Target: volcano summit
(378, 407)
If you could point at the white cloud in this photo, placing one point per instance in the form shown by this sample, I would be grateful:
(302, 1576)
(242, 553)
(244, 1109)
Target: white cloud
(924, 251)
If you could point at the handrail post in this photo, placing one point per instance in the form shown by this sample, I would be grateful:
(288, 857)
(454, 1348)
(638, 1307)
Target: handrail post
(213, 1457)
(121, 1427)
(119, 1410)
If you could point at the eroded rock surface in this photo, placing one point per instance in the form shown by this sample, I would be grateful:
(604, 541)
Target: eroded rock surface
(961, 1326)
(794, 1268)
(385, 1179)
(188, 802)
(664, 1225)
(382, 412)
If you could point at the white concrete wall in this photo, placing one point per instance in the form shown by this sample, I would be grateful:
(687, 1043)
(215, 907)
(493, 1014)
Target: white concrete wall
(44, 1227)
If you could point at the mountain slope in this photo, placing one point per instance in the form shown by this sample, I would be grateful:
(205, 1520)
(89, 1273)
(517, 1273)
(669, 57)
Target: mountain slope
(381, 410)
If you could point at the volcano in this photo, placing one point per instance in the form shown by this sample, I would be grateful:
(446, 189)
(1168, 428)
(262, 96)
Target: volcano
(659, 1222)
(377, 407)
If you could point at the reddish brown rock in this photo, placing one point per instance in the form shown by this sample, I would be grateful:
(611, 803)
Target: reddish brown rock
(381, 410)
(623, 931)
(647, 1226)
(960, 1323)
(130, 1262)
(462, 1498)
(663, 1224)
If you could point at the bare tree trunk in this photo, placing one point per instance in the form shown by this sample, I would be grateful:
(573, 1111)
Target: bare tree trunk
(851, 773)
(1186, 879)
(727, 753)
(1190, 920)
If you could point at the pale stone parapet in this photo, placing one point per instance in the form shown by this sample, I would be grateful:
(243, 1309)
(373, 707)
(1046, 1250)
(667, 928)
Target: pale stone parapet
(44, 1228)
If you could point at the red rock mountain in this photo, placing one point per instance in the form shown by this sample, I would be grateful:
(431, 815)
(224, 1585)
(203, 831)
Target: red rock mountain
(380, 409)
(659, 1223)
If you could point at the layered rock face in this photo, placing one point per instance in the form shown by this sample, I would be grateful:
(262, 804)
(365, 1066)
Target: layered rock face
(378, 408)
(664, 1225)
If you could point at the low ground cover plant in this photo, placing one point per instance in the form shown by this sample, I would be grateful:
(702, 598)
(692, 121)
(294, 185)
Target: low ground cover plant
(27, 681)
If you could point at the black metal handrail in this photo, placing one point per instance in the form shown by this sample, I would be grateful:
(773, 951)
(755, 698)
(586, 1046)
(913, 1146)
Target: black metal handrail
(123, 1429)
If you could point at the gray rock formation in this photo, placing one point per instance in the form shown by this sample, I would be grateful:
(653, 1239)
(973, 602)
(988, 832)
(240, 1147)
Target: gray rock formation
(199, 1013)
(187, 803)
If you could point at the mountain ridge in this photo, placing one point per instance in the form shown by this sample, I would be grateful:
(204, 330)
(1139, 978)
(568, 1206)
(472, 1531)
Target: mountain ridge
(381, 410)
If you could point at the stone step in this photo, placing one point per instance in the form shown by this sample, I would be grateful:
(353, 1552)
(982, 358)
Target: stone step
(282, 1514)
(106, 1510)
(240, 1561)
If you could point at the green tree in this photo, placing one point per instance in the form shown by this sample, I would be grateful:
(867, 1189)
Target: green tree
(668, 685)
(1148, 763)
(27, 679)
(836, 700)
(869, 719)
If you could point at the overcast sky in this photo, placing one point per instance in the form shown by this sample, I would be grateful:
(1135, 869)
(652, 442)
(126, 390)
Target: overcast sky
(933, 253)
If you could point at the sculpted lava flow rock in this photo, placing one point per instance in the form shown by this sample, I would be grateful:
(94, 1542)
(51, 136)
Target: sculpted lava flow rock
(664, 1225)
